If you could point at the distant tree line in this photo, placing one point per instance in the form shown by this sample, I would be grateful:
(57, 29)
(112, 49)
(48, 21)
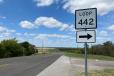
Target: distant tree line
(71, 50)
(107, 49)
(11, 48)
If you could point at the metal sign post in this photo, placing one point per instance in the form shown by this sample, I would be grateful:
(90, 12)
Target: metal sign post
(86, 19)
(86, 68)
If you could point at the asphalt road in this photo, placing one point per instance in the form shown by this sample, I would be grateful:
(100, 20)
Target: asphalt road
(26, 66)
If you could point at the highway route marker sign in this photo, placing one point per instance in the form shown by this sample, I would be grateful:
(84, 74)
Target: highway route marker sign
(86, 18)
(86, 36)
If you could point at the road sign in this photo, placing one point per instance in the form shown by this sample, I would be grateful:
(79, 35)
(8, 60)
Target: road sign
(86, 18)
(86, 36)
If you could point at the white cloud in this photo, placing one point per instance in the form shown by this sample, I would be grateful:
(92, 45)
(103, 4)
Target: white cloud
(46, 36)
(2, 17)
(104, 6)
(29, 34)
(111, 27)
(4, 29)
(103, 33)
(26, 24)
(19, 34)
(5, 32)
(26, 34)
(44, 2)
(71, 28)
(102, 39)
(50, 22)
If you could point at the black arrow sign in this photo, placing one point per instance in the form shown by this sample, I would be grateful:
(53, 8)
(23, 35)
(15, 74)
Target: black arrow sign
(88, 36)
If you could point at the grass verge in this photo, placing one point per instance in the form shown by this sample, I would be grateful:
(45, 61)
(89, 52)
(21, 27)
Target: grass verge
(107, 72)
(99, 57)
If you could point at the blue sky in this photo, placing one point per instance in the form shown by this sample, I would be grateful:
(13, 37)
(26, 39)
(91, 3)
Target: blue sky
(51, 22)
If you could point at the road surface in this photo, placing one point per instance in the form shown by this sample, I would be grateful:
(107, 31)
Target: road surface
(26, 66)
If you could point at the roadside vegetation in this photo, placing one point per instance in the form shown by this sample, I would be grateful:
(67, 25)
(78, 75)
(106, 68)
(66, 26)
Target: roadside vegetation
(11, 48)
(103, 51)
(90, 56)
(107, 72)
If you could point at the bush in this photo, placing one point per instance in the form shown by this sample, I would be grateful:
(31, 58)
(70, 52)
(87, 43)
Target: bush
(106, 49)
(11, 48)
(28, 48)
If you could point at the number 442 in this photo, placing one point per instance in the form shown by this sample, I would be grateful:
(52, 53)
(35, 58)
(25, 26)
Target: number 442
(86, 21)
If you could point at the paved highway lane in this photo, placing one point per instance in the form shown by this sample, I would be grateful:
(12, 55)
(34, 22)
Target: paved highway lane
(26, 66)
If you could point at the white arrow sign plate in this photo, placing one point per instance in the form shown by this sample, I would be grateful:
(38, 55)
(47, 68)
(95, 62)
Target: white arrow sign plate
(86, 36)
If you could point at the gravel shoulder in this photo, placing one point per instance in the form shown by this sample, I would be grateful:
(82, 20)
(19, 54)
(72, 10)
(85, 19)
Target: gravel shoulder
(78, 65)
(69, 66)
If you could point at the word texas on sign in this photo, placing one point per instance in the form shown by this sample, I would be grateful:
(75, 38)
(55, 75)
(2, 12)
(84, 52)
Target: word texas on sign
(86, 18)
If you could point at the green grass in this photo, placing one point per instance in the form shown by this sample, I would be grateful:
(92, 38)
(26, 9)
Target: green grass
(99, 57)
(107, 72)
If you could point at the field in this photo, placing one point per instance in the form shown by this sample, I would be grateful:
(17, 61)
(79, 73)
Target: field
(45, 50)
(99, 57)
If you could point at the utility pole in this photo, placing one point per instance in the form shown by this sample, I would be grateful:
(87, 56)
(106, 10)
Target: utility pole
(42, 46)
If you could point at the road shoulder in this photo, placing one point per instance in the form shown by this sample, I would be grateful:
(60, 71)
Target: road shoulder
(60, 67)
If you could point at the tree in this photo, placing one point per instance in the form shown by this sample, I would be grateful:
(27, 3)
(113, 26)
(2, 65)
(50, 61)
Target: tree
(29, 48)
(10, 48)
(108, 48)
(2, 51)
